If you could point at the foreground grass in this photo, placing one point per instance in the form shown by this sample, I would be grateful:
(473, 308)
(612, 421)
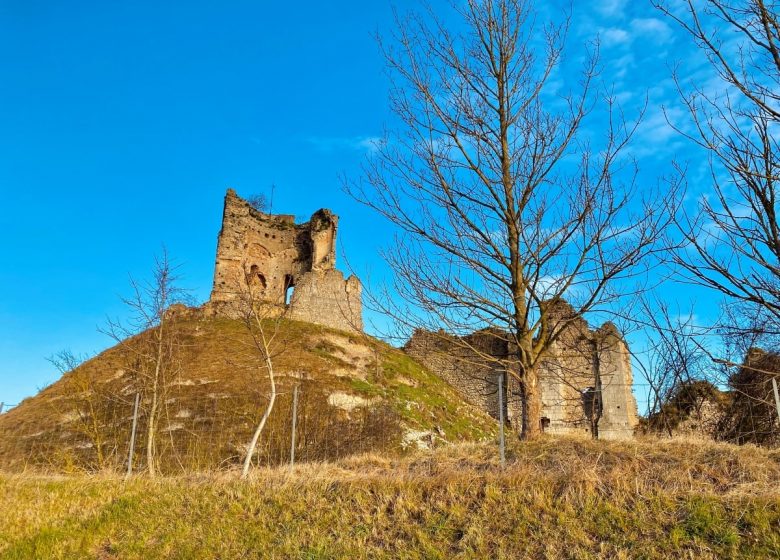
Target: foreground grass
(556, 498)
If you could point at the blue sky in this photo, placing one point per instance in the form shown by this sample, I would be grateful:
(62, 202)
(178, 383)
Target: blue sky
(123, 123)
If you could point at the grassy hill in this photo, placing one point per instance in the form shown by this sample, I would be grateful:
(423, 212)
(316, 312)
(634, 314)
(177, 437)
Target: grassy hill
(556, 498)
(357, 395)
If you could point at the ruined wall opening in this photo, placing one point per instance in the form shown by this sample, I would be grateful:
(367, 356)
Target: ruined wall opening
(277, 246)
(257, 278)
(289, 287)
(591, 403)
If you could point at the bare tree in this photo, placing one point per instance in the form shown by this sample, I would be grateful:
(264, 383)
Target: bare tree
(259, 202)
(751, 415)
(91, 404)
(731, 240)
(675, 364)
(150, 341)
(262, 319)
(504, 203)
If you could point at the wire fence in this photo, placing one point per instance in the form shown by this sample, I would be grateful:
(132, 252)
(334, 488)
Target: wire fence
(5, 407)
(196, 432)
(198, 428)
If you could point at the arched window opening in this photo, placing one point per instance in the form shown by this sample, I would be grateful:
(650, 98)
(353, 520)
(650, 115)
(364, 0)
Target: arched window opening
(257, 278)
(289, 286)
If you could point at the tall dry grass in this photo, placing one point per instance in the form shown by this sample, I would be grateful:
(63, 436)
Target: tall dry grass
(556, 498)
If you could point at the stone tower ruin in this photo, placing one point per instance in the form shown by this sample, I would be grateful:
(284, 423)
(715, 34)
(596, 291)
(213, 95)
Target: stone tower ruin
(291, 265)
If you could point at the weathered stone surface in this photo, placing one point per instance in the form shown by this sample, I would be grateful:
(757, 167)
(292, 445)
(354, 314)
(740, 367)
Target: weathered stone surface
(585, 380)
(292, 266)
(463, 363)
(325, 298)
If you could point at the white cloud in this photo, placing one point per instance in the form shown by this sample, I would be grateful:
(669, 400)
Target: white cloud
(656, 128)
(550, 285)
(623, 65)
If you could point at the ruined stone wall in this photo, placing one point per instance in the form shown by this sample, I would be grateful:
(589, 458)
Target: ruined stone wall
(619, 412)
(566, 375)
(279, 259)
(585, 381)
(456, 361)
(325, 298)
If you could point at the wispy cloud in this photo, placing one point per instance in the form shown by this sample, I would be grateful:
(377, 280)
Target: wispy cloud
(654, 28)
(340, 143)
(611, 8)
(613, 36)
(656, 137)
(651, 30)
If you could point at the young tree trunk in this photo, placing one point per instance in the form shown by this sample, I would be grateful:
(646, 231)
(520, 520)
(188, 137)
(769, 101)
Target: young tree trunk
(97, 434)
(152, 426)
(152, 357)
(264, 347)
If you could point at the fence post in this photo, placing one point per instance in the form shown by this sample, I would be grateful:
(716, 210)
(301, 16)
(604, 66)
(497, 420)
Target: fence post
(294, 424)
(132, 437)
(2, 404)
(777, 397)
(501, 417)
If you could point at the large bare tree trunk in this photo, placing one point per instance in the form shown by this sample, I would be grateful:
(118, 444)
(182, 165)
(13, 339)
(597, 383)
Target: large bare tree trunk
(532, 406)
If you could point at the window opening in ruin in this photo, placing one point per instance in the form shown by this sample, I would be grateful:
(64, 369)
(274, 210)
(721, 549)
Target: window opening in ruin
(591, 403)
(545, 423)
(289, 287)
(257, 277)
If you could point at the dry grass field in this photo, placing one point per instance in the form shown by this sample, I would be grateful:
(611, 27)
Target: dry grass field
(556, 498)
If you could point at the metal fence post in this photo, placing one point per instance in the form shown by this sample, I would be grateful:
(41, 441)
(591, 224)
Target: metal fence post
(132, 437)
(2, 404)
(501, 418)
(777, 397)
(294, 424)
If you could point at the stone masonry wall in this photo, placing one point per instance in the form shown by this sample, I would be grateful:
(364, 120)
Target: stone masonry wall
(619, 414)
(462, 365)
(290, 266)
(585, 381)
(325, 298)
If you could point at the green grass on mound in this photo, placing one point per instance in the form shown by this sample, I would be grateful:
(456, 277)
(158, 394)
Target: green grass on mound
(219, 390)
(556, 498)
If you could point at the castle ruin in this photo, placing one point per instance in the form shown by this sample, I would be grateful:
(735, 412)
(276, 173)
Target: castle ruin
(585, 380)
(291, 266)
